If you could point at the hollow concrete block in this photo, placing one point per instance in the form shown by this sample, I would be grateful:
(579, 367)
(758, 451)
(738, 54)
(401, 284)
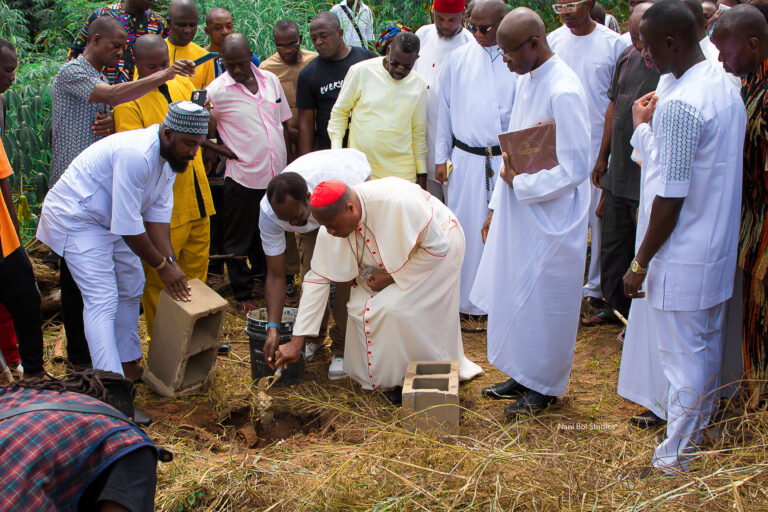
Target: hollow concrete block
(185, 342)
(431, 396)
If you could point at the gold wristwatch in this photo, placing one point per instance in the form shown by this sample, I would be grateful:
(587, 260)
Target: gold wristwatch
(637, 269)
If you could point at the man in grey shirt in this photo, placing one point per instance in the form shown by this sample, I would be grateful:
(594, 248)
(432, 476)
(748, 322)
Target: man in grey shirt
(80, 116)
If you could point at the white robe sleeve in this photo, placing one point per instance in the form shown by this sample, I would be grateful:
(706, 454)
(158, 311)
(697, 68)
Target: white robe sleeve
(130, 173)
(272, 235)
(348, 97)
(314, 297)
(432, 247)
(444, 135)
(644, 143)
(570, 112)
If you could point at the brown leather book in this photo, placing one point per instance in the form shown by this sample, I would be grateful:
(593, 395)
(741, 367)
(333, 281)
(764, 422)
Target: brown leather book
(532, 149)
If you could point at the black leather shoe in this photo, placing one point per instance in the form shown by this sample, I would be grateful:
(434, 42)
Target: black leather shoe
(395, 396)
(224, 349)
(290, 286)
(532, 402)
(504, 390)
(141, 419)
(646, 420)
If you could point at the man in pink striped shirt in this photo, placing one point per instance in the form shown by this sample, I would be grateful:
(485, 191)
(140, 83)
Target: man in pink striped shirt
(252, 121)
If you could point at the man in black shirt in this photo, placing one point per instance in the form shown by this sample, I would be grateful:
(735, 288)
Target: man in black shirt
(321, 80)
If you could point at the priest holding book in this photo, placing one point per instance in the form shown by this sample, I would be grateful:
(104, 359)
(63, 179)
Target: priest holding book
(532, 269)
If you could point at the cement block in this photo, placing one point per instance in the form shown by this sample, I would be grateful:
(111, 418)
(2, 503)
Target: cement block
(185, 342)
(431, 396)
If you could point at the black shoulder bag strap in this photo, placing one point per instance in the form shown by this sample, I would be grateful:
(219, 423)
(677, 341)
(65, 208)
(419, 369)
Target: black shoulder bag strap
(346, 10)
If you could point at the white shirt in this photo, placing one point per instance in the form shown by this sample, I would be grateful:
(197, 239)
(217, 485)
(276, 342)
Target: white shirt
(109, 191)
(433, 57)
(694, 268)
(593, 58)
(347, 165)
(363, 19)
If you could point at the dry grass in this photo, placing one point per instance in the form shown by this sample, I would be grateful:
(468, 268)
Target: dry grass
(352, 453)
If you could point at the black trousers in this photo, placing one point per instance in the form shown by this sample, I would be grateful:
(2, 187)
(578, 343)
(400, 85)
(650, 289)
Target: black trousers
(21, 296)
(72, 314)
(617, 248)
(217, 231)
(240, 211)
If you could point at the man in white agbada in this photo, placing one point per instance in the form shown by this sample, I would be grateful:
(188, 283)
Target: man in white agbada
(285, 209)
(403, 248)
(476, 94)
(532, 270)
(438, 41)
(591, 51)
(112, 209)
(690, 221)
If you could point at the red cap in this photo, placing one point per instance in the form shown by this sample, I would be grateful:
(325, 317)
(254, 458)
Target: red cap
(449, 6)
(327, 192)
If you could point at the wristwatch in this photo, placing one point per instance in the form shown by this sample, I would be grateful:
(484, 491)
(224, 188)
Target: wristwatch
(637, 269)
(171, 259)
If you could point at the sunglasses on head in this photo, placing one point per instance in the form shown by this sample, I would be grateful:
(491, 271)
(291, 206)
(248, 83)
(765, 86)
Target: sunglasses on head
(569, 7)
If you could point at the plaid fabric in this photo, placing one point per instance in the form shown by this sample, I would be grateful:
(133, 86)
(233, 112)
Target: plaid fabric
(50, 457)
(149, 22)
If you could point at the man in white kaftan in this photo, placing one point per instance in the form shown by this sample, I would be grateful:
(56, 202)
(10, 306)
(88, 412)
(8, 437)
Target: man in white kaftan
(591, 50)
(476, 94)
(687, 257)
(400, 233)
(438, 41)
(532, 269)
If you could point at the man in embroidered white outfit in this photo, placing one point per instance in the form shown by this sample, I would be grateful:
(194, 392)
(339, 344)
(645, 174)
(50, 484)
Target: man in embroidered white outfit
(438, 41)
(688, 252)
(404, 249)
(476, 93)
(532, 269)
(591, 50)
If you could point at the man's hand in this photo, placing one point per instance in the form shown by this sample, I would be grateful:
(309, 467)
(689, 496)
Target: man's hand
(421, 180)
(486, 225)
(103, 125)
(711, 21)
(642, 109)
(183, 67)
(441, 173)
(210, 161)
(176, 281)
(287, 353)
(507, 172)
(379, 280)
(270, 345)
(598, 172)
(632, 284)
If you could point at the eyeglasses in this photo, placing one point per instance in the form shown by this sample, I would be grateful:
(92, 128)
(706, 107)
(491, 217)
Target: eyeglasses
(569, 7)
(508, 55)
(484, 29)
(289, 45)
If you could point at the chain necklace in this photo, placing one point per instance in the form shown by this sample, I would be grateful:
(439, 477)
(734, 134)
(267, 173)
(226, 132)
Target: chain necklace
(358, 251)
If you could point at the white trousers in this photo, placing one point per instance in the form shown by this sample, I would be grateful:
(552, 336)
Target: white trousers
(592, 288)
(111, 281)
(690, 354)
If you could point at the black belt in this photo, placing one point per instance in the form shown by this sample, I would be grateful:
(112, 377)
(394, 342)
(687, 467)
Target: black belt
(489, 151)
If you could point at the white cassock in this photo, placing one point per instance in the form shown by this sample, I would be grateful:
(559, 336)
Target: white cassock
(108, 192)
(593, 58)
(476, 95)
(409, 234)
(433, 57)
(673, 355)
(532, 270)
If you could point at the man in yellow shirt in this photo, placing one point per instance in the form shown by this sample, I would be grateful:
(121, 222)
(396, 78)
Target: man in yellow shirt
(388, 105)
(182, 25)
(192, 203)
(18, 289)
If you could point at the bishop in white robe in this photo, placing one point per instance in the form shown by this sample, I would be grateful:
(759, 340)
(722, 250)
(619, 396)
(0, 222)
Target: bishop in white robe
(403, 249)
(436, 49)
(593, 58)
(476, 94)
(532, 269)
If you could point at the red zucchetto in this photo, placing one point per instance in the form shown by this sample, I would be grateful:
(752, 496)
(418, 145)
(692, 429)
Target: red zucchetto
(327, 192)
(449, 6)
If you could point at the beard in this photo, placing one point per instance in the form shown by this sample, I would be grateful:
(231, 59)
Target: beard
(456, 32)
(177, 165)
